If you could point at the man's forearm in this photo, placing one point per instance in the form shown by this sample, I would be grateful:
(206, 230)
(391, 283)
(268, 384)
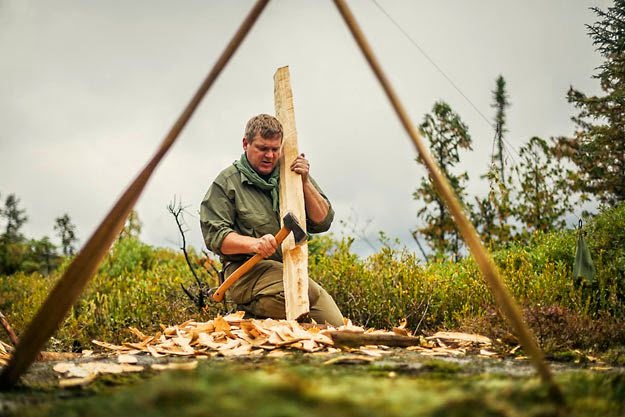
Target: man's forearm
(316, 206)
(235, 243)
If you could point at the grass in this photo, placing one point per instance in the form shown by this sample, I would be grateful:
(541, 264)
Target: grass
(302, 387)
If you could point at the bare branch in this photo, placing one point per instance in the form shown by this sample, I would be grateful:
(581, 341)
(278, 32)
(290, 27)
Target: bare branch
(176, 211)
(199, 300)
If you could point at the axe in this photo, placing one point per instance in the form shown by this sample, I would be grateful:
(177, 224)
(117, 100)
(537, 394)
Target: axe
(290, 224)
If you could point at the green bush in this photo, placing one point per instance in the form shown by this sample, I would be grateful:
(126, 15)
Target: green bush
(136, 285)
(392, 285)
(139, 285)
(605, 236)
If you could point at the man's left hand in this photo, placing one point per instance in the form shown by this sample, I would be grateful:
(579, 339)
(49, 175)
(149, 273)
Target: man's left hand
(301, 166)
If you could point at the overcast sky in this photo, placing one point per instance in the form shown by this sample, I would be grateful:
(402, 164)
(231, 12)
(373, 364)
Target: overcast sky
(88, 90)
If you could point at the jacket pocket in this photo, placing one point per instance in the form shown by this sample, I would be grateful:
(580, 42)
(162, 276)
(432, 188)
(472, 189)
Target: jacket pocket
(254, 224)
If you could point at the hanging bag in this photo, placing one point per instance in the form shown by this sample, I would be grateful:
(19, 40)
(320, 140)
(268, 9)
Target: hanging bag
(583, 267)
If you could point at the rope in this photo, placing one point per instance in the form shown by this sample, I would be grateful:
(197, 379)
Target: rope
(448, 78)
(439, 69)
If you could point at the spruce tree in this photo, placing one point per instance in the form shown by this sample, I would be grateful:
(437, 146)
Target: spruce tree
(15, 217)
(501, 103)
(492, 213)
(598, 146)
(12, 247)
(447, 135)
(67, 233)
(544, 197)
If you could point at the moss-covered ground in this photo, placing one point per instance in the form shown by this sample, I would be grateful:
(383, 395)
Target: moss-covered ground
(399, 384)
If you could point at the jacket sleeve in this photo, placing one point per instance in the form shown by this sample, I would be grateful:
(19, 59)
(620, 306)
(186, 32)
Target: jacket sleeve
(216, 217)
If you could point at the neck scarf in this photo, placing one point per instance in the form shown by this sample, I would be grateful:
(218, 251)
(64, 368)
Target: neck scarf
(271, 184)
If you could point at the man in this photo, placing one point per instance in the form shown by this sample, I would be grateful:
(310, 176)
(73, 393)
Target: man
(240, 215)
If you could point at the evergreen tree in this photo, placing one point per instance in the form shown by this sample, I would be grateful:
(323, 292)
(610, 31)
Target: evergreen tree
(14, 218)
(40, 256)
(500, 98)
(18, 253)
(447, 135)
(544, 196)
(67, 233)
(12, 247)
(598, 147)
(493, 212)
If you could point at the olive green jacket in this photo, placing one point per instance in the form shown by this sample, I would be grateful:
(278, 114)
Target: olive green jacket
(234, 204)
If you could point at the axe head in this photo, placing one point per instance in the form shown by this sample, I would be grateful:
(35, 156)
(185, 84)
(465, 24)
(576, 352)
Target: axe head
(291, 223)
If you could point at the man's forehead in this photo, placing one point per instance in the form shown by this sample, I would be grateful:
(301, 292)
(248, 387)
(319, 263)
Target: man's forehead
(268, 141)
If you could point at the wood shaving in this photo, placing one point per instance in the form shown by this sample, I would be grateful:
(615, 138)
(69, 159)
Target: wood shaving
(126, 359)
(232, 335)
(74, 382)
(83, 373)
(185, 366)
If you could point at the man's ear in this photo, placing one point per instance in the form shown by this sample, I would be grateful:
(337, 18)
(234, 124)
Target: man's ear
(245, 144)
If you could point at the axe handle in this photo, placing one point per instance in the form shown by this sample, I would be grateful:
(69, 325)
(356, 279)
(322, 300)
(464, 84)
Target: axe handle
(234, 277)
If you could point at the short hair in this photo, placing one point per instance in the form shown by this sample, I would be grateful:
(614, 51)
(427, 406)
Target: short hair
(265, 125)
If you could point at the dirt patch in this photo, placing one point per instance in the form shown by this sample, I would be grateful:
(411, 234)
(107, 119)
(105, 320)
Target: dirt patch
(345, 383)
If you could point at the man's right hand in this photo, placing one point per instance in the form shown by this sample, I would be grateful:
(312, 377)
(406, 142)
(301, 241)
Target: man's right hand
(265, 245)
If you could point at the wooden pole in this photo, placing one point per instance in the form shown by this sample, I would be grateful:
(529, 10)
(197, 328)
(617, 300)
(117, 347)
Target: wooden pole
(490, 273)
(295, 257)
(70, 286)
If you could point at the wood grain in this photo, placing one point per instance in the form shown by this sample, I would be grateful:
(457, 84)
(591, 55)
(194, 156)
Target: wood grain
(295, 257)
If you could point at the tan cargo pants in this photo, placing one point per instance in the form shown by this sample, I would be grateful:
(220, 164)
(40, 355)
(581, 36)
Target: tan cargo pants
(260, 293)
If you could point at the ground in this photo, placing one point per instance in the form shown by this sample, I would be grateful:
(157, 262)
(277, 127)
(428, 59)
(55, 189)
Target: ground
(346, 383)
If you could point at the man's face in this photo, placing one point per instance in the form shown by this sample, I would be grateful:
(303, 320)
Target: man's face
(263, 154)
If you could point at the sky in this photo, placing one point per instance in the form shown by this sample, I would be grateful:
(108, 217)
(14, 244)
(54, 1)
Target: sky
(89, 89)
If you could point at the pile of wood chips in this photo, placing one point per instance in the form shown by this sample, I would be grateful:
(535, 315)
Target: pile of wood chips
(233, 336)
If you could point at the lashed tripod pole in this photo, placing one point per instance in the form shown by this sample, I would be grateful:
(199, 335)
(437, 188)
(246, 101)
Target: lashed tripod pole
(70, 286)
(503, 298)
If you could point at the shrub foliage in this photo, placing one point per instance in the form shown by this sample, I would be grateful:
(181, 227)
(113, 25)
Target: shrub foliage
(139, 285)
(136, 285)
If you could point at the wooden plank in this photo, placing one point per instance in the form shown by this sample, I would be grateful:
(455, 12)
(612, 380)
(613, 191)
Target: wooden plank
(295, 258)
